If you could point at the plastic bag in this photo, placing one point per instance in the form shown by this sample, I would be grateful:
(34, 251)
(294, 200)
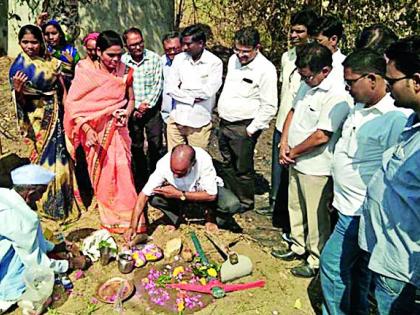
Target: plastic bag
(39, 283)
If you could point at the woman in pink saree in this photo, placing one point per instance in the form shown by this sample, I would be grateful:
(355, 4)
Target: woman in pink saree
(95, 116)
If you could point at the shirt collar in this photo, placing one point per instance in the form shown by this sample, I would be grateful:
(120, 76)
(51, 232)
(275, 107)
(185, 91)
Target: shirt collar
(413, 122)
(384, 105)
(168, 61)
(326, 84)
(252, 65)
(203, 58)
(130, 59)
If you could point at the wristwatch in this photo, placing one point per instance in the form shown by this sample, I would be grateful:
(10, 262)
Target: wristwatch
(183, 197)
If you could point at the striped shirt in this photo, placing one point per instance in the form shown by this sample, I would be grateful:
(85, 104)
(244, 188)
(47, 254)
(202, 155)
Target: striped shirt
(147, 84)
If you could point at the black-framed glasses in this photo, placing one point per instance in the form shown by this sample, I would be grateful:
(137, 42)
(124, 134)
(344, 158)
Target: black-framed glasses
(349, 83)
(392, 81)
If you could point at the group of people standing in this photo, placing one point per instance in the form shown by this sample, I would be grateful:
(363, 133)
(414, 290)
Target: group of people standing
(338, 129)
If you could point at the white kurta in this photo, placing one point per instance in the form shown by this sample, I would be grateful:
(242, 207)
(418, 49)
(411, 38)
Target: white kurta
(22, 244)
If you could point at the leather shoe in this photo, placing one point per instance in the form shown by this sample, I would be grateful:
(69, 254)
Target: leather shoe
(304, 271)
(285, 254)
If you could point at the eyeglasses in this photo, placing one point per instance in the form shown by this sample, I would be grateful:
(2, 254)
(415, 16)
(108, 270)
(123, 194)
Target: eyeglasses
(392, 81)
(307, 78)
(349, 83)
(136, 45)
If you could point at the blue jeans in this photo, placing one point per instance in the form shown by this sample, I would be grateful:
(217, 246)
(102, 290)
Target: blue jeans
(345, 278)
(394, 296)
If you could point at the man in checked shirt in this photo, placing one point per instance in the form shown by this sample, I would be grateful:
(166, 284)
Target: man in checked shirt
(147, 85)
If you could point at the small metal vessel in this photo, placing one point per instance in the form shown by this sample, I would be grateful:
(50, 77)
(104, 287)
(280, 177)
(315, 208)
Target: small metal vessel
(125, 263)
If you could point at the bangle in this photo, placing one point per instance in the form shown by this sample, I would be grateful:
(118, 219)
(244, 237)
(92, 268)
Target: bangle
(86, 125)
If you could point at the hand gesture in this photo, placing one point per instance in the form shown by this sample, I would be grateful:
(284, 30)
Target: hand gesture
(143, 108)
(168, 191)
(42, 18)
(19, 81)
(121, 117)
(284, 158)
(91, 138)
(129, 235)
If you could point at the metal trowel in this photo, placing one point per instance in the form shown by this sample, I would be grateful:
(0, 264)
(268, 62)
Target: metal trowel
(235, 266)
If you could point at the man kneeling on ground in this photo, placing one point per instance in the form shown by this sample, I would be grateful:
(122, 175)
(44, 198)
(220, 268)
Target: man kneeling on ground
(22, 244)
(185, 182)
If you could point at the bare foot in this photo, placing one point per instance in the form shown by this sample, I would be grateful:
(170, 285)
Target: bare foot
(211, 227)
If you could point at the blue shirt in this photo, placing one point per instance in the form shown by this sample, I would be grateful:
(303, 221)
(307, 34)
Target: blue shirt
(390, 224)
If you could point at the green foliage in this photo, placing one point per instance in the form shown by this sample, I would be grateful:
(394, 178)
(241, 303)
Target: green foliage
(272, 18)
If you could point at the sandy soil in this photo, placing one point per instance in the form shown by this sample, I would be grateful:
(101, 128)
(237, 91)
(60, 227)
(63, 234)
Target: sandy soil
(283, 293)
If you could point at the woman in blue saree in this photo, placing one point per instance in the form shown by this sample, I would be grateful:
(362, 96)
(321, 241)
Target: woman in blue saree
(35, 80)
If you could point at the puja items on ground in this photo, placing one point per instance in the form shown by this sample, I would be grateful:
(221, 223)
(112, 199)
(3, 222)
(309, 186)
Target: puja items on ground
(153, 283)
(114, 288)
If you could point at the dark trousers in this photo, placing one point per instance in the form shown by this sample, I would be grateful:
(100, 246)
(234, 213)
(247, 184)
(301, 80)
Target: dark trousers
(224, 208)
(143, 165)
(237, 150)
(279, 195)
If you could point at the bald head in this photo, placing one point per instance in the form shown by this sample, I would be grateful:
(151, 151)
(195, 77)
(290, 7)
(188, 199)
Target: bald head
(182, 160)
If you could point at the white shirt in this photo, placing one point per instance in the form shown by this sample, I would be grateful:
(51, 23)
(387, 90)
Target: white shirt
(322, 107)
(22, 244)
(189, 80)
(367, 133)
(202, 176)
(290, 82)
(337, 63)
(250, 92)
(166, 99)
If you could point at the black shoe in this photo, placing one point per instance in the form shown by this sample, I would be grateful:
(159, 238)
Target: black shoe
(286, 237)
(231, 225)
(304, 271)
(266, 211)
(285, 254)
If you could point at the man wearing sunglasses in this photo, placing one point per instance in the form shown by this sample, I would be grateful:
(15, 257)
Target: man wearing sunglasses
(389, 225)
(373, 126)
(309, 135)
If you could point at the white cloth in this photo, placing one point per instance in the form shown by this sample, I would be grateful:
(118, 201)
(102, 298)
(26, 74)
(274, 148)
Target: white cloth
(250, 92)
(190, 80)
(366, 134)
(290, 83)
(202, 176)
(322, 107)
(337, 66)
(31, 174)
(90, 246)
(166, 99)
(22, 244)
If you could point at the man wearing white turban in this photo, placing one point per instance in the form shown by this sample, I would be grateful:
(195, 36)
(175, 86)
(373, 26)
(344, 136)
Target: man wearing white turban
(22, 243)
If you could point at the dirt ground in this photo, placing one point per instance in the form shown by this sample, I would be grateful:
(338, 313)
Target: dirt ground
(283, 293)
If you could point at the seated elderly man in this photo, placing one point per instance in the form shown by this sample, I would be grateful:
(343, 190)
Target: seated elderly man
(184, 182)
(22, 243)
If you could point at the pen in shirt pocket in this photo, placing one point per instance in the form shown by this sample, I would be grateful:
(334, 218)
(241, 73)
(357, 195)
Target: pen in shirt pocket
(247, 80)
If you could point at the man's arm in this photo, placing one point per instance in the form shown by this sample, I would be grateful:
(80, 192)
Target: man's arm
(268, 102)
(213, 84)
(284, 158)
(172, 192)
(174, 84)
(316, 139)
(26, 240)
(156, 89)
